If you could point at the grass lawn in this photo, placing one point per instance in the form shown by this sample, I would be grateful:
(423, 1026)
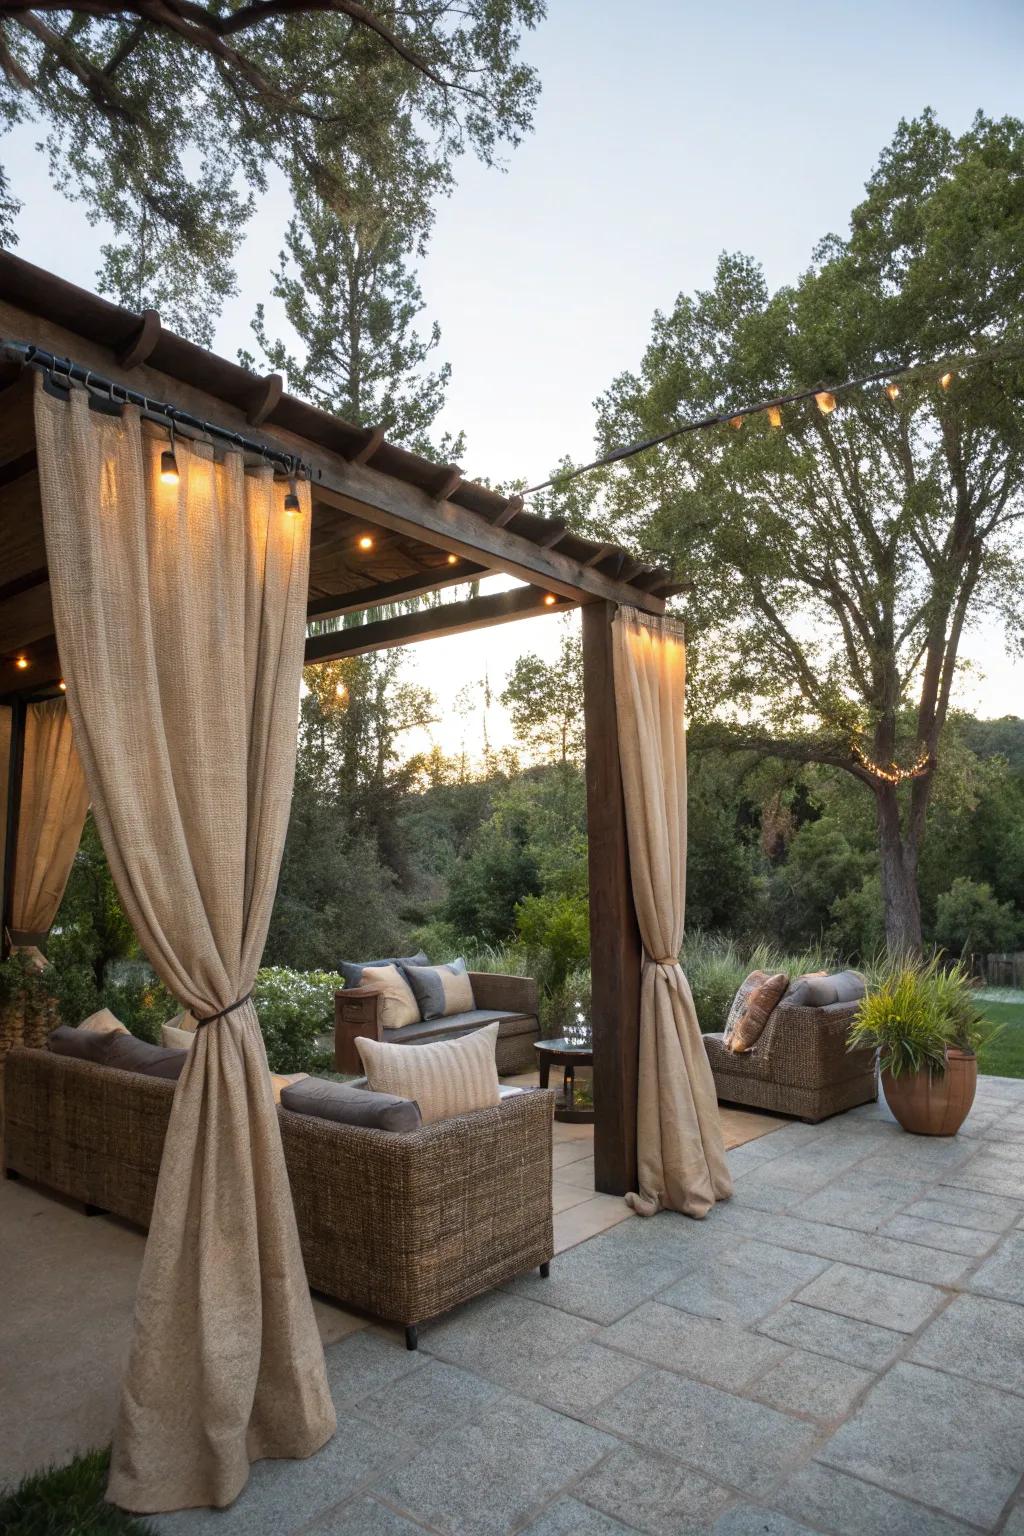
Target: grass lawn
(1005, 1056)
(67, 1501)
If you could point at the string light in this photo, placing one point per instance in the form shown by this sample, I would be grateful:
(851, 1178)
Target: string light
(736, 421)
(893, 774)
(550, 600)
(946, 380)
(825, 402)
(365, 541)
(22, 663)
(893, 391)
(774, 414)
(341, 690)
(291, 501)
(169, 464)
(453, 559)
(62, 685)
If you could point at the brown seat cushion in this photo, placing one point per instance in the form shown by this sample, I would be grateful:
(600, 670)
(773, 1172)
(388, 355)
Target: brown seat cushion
(347, 1105)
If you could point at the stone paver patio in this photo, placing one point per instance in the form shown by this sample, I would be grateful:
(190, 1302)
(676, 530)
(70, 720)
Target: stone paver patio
(839, 1349)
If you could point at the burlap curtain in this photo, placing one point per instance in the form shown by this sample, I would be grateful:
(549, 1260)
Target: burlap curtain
(180, 614)
(680, 1152)
(54, 800)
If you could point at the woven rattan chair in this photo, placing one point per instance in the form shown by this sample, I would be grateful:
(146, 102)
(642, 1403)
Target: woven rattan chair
(800, 1066)
(403, 1227)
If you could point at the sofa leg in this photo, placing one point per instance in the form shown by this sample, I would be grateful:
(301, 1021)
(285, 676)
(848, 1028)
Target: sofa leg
(545, 1269)
(412, 1337)
(93, 1210)
(11, 1173)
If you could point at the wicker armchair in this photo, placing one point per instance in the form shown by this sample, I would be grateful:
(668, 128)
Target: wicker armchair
(400, 1226)
(800, 1066)
(511, 1000)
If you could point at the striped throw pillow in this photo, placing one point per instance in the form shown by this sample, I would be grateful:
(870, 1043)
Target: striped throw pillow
(447, 1078)
(761, 1003)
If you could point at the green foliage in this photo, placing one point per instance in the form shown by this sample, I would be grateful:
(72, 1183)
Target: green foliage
(969, 920)
(293, 1008)
(168, 128)
(915, 1013)
(567, 1006)
(716, 965)
(545, 701)
(555, 931)
(840, 557)
(489, 883)
(1003, 1054)
(67, 1501)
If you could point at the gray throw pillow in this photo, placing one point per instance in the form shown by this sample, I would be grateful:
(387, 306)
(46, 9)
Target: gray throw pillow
(351, 1106)
(352, 970)
(440, 990)
(83, 1044)
(822, 991)
(131, 1055)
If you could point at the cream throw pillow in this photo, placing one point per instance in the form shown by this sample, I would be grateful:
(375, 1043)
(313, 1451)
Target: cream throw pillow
(103, 1022)
(398, 1007)
(447, 1078)
(179, 1033)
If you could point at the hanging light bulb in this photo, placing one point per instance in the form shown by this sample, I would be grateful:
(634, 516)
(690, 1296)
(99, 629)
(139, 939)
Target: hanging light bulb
(341, 690)
(22, 663)
(549, 599)
(62, 685)
(893, 391)
(825, 402)
(736, 421)
(169, 464)
(365, 541)
(453, 559)
(774, 414)
(946, 380)
(291, 501)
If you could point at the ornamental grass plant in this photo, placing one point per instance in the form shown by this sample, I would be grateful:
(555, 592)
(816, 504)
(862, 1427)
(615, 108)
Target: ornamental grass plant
(916, 1013)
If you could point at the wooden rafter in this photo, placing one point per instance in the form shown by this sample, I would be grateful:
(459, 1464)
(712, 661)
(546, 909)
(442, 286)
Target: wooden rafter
(433, 623)
(403, 589)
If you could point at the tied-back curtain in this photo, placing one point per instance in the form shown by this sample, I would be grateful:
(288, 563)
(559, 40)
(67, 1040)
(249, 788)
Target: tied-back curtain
(680, 1151)
(180, 616)
(54, 800)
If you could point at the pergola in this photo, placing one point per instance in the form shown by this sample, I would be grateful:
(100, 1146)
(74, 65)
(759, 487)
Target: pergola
(387, 525)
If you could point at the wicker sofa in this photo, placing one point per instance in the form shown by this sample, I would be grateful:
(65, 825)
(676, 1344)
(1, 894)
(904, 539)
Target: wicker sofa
(401, 1226)
(800, 1065)
(510, 1000)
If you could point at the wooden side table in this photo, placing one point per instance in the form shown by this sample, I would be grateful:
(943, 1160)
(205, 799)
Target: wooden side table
(567, 1055)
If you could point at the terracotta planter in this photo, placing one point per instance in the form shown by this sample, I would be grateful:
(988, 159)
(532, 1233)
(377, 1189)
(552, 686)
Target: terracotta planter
(934, 1106)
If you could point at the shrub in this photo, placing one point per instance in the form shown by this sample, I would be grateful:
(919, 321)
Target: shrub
(567, 1006)
(293, 1008)
(556, 933)
(715, 966)
(969, 920)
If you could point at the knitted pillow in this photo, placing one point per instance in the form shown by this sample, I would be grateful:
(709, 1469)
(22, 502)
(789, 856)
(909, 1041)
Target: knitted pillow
(447, 1078)
(397, 1007)
(747, 1030)
(741, 999)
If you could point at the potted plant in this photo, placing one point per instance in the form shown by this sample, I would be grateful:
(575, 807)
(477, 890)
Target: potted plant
(927, 1029)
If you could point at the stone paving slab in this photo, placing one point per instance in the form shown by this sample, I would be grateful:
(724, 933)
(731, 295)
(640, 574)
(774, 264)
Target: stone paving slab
(812, 1385)
(1003, 1274)
(977, 1338)
(912, 1228)
(701, 1347)
(839, 1505)
(831, 1334)
(744, 1283)
(959, 1445)
(654, 1494)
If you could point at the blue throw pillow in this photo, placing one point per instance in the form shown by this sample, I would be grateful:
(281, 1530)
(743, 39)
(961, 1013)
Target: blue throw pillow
(352, 970)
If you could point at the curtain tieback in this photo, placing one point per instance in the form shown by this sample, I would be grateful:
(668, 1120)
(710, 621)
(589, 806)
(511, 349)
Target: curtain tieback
(669, 960)
(211, 1018)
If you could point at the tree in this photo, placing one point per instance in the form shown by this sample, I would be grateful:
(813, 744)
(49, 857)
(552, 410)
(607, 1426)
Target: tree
(969, 919)
(350, 297)
(171, 116)
(838, 562)
(545, 701)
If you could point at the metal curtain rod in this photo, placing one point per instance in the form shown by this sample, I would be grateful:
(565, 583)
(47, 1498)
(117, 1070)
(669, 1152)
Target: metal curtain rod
(63, 371)
(724, 418)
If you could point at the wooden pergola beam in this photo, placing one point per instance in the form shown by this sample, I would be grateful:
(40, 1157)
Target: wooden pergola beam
(399, 590)
(433, 623)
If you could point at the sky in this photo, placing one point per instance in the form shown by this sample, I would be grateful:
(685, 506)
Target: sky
(667, 132)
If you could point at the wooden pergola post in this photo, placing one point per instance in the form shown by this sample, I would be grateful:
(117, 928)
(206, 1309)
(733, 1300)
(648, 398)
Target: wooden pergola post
(12, 815)
(615, 948)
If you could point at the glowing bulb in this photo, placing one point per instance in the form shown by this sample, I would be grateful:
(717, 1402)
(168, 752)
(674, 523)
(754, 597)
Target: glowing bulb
(62, 685)
(365, 541)
(893, 391)
(549, 599)
(453, 559)
(291, 501)
(21, 662)
(774, 416)
(169, 467)
(946, 380)
(342, 691)
(736, 421)
(825, 401)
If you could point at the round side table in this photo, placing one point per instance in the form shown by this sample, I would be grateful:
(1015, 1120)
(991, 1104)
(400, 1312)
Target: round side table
(568, 1055)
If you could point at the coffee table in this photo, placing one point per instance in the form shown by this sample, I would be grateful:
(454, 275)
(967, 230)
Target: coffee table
(569, 1055)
